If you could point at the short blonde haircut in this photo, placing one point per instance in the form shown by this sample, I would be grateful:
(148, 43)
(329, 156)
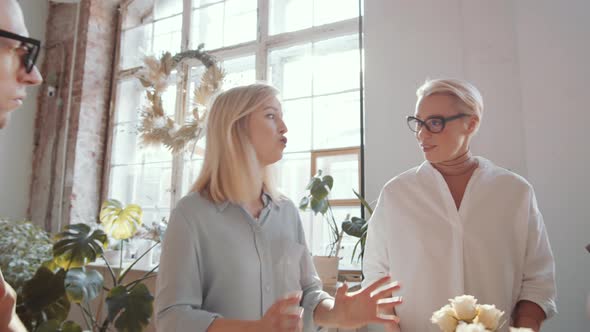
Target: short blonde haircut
(231, 169)
(467, 95)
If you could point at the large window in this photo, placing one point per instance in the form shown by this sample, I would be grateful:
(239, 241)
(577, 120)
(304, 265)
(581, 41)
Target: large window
(308, 49)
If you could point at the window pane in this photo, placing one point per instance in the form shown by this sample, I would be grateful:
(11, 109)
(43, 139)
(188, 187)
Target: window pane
(121, 186)
(293, 15)
(154, 154)
(135, 44)
(147, 185)
(345, 171)
(130, 98)
(207, 27)
(166, 8)
(329, 11)
(125, 142)
(336, 65)
(239, 71)
(293, 175)
(202, 3)
(291, 71)
(322, 233)
(192, 168)
(290, 15)
(169, 97)
(336, 121)
(240, 21)
(167, 35)
(297, 117)
(154, 215)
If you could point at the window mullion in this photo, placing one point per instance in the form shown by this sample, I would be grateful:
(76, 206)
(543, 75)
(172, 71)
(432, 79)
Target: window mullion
(181, 103)
(313, 34)
(186, 25)
(262, 37)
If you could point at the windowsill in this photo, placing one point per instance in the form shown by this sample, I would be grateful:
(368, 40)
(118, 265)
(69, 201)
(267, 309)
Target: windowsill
(126, 264)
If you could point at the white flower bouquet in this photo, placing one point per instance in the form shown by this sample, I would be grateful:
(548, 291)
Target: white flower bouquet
(463, 314)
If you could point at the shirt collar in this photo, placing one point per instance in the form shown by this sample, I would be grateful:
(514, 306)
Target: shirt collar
(266, 201)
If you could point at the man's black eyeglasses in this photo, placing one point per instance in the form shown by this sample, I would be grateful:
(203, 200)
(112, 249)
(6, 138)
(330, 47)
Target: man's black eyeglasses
(32, 47)
(434, 124)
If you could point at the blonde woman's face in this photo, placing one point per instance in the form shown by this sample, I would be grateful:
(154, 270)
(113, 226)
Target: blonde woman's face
(453, 140)
(267, 132)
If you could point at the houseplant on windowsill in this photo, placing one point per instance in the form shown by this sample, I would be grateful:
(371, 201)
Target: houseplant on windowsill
(357, 227)
(67, 280)
(316, 198)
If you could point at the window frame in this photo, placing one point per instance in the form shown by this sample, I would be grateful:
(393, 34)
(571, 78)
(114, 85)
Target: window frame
(261, 48)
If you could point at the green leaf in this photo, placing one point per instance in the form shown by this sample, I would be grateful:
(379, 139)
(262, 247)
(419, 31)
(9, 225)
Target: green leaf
(304, 203)
(313, 182)
(319, 205)
(131, 309)
(70, 326)
(354, 227)
(52, 325)
(44, 295)
(77, 247)
(319, 190)
(121, 223)
(364, 203)
(83, 286)
(329, 181)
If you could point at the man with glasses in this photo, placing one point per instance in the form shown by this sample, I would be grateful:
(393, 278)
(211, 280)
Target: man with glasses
(18, 54)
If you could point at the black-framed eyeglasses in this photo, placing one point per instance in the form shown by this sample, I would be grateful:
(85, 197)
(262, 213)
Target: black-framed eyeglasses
(434, 124)
(31, 46)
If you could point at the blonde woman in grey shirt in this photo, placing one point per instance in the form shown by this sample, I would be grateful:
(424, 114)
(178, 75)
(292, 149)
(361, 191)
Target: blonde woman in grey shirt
(234, 257)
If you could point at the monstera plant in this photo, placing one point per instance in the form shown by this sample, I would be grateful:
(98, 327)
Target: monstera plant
(67, 281)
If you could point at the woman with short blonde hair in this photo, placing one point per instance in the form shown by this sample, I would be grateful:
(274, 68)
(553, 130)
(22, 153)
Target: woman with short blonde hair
(458, 224)
(234, 256)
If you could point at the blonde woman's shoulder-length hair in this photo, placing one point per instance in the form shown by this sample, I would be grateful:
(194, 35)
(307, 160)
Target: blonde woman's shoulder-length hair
(230, 167)
(468, 96)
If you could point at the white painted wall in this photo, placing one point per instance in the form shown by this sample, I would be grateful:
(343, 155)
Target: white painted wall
(530, 59)
(16, 140)
(554, 57)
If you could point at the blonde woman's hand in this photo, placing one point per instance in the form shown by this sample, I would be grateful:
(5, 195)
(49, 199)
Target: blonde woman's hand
(285, 315)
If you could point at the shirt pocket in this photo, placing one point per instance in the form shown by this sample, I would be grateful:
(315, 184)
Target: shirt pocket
(287, 268)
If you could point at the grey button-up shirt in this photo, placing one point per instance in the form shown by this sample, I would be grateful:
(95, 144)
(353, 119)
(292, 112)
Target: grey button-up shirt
(217, 261)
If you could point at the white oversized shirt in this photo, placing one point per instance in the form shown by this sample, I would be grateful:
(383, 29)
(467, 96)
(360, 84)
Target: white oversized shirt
(495, 247)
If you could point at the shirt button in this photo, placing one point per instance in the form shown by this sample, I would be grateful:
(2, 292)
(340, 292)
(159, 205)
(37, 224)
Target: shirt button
(267, 288)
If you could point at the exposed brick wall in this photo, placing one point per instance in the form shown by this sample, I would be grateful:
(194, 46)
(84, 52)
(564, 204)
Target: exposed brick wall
(88, 112)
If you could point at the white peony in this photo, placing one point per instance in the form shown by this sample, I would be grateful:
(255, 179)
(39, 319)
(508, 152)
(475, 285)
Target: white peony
(445, 319)
(520, 329)
(465, 307)
(489, 316)
(473, 327)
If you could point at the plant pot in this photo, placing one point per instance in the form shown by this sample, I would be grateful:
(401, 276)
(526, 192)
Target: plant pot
(327, 268)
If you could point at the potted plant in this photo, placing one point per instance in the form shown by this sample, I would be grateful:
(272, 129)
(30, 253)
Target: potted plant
(357, 227)
(316, 198)
(23, 249)
(67, 280)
